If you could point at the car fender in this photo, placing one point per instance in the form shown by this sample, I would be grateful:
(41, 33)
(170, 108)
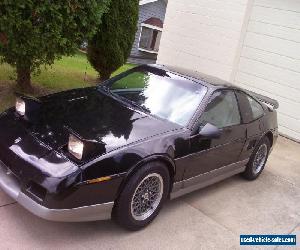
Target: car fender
(165, 158)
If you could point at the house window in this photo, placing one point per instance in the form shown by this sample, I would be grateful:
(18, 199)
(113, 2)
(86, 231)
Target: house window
(150, 38)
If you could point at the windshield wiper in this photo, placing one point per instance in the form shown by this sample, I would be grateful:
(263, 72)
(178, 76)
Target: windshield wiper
(106, 90)
(134, 104)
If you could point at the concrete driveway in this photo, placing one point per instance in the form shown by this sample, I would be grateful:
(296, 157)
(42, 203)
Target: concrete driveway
(212, 218)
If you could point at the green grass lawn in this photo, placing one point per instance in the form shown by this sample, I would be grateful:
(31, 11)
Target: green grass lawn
(133, 80)
(67, 73)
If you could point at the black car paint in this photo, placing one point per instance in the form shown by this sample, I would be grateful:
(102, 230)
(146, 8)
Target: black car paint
(35, 151)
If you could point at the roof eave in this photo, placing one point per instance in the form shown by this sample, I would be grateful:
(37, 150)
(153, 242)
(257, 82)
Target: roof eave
(143, 2)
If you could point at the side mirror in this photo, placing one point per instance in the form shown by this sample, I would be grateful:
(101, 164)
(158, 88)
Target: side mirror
(210, 131)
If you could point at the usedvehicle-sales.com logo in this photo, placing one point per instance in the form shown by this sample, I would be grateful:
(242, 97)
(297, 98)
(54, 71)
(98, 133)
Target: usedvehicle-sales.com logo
(278, 240)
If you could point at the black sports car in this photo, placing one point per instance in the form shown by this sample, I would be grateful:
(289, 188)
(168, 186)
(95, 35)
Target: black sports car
(122, 148)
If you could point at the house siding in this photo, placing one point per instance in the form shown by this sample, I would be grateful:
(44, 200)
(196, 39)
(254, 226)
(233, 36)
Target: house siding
(270, 59)
(156, 9)
(253, 43)
(203, 35)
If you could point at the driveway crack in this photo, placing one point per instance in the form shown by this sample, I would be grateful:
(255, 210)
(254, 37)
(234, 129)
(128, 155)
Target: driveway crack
(282, 179)
(8, 204)
(298, 225)
(225, 227)
(290, 232)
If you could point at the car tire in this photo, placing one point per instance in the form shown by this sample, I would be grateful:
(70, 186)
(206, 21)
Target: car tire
(142, 196)
(257, 160)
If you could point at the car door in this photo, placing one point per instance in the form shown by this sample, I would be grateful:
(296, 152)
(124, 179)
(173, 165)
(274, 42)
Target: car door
(207, 155)
(252, 112)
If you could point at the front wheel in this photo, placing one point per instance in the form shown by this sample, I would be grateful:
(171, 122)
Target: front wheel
(142, 197)
(257, 160)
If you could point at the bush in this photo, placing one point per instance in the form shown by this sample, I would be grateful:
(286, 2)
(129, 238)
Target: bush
(111, 46)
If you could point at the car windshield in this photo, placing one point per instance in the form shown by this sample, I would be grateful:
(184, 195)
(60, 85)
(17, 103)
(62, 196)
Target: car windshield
(161, 93)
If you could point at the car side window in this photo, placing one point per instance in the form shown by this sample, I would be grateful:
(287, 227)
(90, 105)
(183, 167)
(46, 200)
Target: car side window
(257, 110)
(222, 111)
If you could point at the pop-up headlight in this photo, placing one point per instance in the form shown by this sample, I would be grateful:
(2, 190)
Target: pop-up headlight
(20, 106)
(75, 147)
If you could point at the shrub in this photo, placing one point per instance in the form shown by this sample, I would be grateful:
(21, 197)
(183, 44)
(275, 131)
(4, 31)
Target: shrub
(111, 46)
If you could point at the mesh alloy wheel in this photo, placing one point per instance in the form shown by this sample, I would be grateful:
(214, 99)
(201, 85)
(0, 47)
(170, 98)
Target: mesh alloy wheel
(260, 158)
(142, 196)
(257, 160)
(147, 197)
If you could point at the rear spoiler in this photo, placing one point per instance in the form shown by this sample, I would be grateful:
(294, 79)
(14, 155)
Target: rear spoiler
(267, 100)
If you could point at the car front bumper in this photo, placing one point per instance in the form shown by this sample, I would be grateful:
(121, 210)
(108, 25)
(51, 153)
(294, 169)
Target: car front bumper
(11, 186)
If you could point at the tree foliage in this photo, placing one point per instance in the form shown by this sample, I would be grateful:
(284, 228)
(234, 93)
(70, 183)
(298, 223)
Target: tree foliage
(111, 46)
(35, 33)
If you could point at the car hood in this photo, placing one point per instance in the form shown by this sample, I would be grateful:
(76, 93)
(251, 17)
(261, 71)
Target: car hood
(93, 116)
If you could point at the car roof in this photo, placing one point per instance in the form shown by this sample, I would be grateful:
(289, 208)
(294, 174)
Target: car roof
(207, 80)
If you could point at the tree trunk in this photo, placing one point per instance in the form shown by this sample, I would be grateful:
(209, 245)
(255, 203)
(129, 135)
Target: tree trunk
(104, 76)
(24, 79)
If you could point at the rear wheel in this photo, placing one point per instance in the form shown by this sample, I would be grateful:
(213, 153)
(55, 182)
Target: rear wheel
(143, 196)
(257, 160)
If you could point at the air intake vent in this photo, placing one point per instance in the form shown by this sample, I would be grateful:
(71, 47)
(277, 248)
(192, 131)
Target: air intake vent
(37, 191)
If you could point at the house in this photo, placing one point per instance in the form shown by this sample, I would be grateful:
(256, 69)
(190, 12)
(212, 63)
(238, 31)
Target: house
(253, 43)
(148, 35)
